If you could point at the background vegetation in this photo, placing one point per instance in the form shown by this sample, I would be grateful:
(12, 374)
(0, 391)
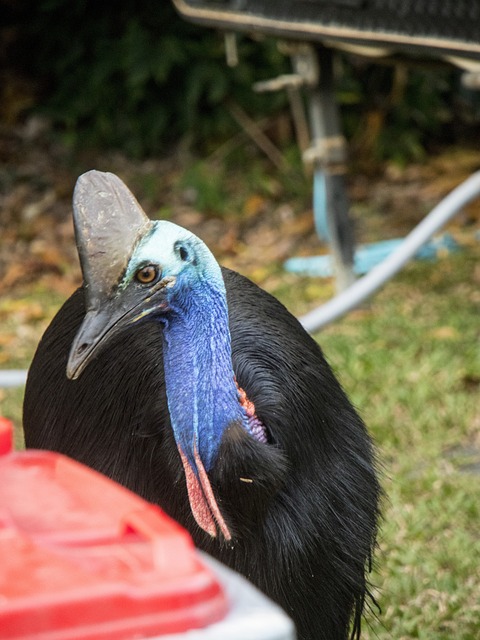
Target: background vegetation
(137, 77)
(131, 88)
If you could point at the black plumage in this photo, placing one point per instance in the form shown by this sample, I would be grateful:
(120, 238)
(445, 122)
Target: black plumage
(303, 511)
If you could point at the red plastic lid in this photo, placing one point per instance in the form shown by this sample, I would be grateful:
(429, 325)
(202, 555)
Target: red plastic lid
(6, 436)
(84, 559)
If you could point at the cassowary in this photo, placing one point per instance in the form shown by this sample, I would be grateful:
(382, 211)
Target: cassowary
(194, 388)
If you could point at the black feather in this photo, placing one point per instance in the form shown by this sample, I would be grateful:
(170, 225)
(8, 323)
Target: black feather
(303, 511)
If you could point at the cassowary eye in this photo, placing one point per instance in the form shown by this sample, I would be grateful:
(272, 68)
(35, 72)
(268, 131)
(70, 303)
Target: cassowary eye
(147, 274)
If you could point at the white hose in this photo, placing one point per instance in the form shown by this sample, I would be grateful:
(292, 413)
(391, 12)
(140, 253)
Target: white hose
(12, 378)
(379, 275)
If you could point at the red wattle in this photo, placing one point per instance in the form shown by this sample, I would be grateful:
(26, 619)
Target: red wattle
(202, 500)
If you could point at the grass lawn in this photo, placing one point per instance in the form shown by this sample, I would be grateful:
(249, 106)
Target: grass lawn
(410, 360)
(411, 364)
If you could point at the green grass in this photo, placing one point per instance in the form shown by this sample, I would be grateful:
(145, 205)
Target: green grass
(24, 315)
(410, 361)
(411, 364)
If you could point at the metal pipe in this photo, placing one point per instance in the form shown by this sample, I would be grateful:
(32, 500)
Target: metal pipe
(328, 153)
(366, 286)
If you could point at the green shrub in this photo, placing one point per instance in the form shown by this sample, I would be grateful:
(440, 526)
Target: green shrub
(138, 77)
(135, 75)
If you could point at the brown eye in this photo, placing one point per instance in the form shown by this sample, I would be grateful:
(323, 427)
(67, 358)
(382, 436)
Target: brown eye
(147, 274)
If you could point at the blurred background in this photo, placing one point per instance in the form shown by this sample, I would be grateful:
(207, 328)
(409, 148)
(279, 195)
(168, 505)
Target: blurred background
(133, 89)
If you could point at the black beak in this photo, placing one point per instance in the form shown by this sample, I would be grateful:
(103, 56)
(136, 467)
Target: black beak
(101, 325)
(97, 327)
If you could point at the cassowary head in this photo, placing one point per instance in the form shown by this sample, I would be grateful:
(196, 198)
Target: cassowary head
(133, 269)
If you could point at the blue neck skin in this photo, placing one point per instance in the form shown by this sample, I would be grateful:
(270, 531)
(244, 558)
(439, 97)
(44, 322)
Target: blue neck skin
(201, 391)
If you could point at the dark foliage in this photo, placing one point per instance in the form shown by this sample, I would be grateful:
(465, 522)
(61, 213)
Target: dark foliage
(304, 529)
(135, 75)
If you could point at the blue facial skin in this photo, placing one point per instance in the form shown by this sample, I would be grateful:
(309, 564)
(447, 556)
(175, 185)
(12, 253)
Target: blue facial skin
(201, 391)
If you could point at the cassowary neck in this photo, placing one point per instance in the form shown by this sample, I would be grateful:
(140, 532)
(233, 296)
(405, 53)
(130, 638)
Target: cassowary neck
(203, 398)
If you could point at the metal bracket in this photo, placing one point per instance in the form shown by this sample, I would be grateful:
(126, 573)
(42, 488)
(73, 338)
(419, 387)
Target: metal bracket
(231, 49)
(285, 81)
(327, 151)
(305, 67)
(471, 80)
